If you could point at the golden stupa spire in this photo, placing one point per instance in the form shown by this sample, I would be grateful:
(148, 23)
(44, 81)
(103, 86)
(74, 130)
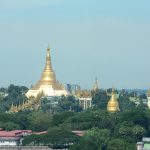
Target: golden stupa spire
(48, 75)
(96, 86)
(48, 65)
(47, 82)
(113, 105)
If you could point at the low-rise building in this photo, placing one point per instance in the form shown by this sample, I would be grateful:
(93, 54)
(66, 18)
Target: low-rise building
(144, 145)
(85, 99)
(12, 138)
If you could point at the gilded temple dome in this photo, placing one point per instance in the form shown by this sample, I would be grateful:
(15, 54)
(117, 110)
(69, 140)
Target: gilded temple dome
(113, 105)
(47, 84)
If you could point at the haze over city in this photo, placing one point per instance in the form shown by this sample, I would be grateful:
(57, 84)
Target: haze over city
(89, 38)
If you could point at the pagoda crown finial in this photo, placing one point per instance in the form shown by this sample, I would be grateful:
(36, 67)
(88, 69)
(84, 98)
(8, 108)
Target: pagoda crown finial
(48, 73)
(48, 47)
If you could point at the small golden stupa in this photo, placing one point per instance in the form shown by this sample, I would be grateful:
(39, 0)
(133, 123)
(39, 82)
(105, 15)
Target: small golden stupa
(48, 83)
(113, 105)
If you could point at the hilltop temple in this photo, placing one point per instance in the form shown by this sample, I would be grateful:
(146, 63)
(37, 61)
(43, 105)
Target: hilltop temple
(48, 85)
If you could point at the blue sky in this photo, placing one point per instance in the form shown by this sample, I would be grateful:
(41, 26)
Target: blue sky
(88, 38)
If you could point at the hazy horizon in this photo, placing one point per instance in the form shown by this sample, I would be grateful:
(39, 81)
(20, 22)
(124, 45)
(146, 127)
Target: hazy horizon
(109, 40)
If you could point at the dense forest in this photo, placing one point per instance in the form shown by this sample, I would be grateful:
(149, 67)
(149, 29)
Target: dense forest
(103, 130)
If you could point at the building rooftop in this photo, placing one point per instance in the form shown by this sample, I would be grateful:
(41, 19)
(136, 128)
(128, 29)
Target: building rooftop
(14, 133)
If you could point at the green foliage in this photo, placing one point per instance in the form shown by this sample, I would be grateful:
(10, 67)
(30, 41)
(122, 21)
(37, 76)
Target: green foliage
(39, 121)
(104, 130)
(118, 144)
(56, 138)
(138, 132)
(94, 139)
(61, 117)
(137, 117)
(100, 99)
(69, 103)
(15, 94)
(35, 121)
(125, 103)
(10, 126)
(89, 119)
(49, 104)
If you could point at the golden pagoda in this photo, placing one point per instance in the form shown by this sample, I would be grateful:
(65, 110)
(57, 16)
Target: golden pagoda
(48, 83)
(113, 105)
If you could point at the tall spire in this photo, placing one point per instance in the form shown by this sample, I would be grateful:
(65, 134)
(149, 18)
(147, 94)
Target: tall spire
(47, 84)
(48, 66)
(96, 86)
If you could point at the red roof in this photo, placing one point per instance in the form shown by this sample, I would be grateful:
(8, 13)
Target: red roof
(7, 134)
(79, 133)
(40, 133)
(14, 133)
(20, 131)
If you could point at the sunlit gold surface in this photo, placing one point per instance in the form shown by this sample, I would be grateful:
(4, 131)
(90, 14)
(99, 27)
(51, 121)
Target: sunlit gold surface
(48, 75)
(13, 109)
(83, 94)
(113, 105)
(47, 83)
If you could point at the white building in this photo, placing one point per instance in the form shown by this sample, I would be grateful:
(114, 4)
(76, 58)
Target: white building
(9, 141)
(144, 145)
(13, 138)
(85, 103)
(148, 98)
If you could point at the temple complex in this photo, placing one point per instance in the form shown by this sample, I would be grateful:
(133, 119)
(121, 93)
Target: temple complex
(113, 105)
(48, 85)
(85, 98)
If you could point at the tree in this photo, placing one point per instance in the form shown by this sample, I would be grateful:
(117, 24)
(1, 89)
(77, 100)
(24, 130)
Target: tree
(125, 131)
(39, 121)
(10, 126)
(61, 117)
(118, 144)
(100, 99)
(138, 132)
(125, 103)
(69, 103)
(94, 139)
(137, 117)
(55, 138)
(15, 94)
